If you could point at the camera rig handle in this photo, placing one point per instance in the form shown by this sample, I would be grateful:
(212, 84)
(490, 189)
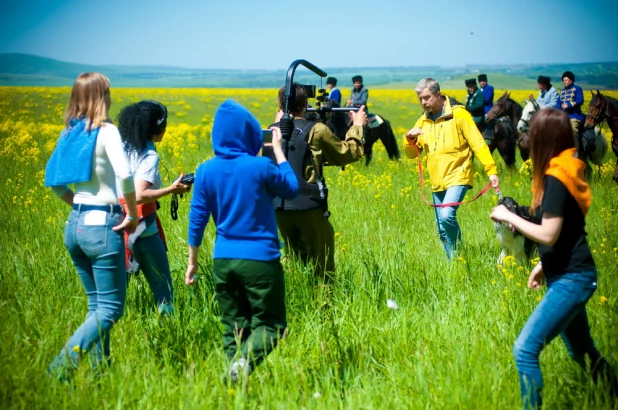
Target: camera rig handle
(287, 121)
(333, 109)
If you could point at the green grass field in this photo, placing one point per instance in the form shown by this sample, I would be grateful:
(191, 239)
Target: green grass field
(448, 346)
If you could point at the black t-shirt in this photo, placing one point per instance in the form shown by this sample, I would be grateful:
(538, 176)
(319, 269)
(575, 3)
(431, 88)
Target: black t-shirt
(570, 253)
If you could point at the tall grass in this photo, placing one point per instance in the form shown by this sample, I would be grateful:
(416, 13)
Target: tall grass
(447, 346)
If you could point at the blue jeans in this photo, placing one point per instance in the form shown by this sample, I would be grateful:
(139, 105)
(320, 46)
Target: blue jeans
(448, 228)
(561, 312)
(152, 256)
(99, 257)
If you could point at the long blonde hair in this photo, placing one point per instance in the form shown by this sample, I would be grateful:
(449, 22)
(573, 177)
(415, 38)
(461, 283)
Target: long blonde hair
(88, 99)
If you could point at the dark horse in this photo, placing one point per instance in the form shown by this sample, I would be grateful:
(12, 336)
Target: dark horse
(339, 125)
(604, 108)
(505, 115)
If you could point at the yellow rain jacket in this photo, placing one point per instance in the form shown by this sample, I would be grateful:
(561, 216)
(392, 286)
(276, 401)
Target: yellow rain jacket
(449, 143)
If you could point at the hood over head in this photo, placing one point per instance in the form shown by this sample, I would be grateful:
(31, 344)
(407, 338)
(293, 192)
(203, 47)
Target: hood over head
(235, 131)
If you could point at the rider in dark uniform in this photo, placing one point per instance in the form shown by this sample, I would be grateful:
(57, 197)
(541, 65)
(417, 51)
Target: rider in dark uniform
(475, 104)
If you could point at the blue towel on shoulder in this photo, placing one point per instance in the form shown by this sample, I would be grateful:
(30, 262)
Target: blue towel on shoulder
(71, 161)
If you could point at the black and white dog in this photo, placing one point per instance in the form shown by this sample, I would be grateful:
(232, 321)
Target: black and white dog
(514, 243)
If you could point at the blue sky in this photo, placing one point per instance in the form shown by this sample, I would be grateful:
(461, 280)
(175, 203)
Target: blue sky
(271, 34)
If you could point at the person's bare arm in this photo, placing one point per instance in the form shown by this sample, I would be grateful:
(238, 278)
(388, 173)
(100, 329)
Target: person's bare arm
(144, 194)
(546, 234)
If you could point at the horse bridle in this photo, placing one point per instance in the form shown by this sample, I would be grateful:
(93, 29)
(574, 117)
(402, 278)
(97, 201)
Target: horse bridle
(536, 107)
(603, 112)
(504, 111)
(527, 122)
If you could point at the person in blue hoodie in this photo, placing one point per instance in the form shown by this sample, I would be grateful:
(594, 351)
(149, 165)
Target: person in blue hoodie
(237, 188)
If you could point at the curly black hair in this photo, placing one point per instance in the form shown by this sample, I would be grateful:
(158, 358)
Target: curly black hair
(139, 122)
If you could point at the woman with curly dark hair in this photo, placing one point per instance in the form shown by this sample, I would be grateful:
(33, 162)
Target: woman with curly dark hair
(142, 125)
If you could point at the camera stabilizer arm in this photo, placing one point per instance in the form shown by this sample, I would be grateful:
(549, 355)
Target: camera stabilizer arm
(287, 121)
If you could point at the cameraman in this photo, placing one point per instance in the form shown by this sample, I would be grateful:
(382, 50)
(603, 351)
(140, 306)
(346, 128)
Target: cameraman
(303, 222)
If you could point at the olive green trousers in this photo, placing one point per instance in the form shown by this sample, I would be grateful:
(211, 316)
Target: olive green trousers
(251, 295)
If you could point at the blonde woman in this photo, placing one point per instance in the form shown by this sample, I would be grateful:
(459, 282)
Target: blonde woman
(89, 154)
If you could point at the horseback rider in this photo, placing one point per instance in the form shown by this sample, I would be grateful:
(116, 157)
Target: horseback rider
(303, 222)
(359, 94)
(488, 92)
(334, 94)
(474, 104)
(571, 100)
(488, 102)
(548, 95)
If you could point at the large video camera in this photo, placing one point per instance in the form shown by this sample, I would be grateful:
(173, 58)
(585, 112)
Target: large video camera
(286, 123)
(319, 111)
(310, 90)
(320, 96)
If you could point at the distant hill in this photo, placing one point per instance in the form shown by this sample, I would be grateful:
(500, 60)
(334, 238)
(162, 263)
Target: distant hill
(30, 70)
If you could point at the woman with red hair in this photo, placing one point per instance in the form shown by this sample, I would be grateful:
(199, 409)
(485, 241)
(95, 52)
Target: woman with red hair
(561, 191)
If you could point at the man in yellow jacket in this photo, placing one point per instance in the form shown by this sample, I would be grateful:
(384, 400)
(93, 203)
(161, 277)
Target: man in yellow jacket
(449, 136)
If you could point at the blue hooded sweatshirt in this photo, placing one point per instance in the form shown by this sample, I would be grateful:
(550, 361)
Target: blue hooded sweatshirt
(237, 188)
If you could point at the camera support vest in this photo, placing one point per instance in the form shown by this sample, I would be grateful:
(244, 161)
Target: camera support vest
(298, 153)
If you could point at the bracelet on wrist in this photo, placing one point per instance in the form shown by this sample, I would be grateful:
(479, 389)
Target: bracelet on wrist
(132, 218)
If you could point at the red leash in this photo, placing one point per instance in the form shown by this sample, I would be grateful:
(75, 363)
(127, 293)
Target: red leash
(449, 204)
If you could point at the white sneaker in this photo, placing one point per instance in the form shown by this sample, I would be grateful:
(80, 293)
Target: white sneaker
(238, 368)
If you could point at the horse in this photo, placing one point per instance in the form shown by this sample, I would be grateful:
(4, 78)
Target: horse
(523, 126)
(594, 149)
(604, 108)
(379, 128)
(505, 113)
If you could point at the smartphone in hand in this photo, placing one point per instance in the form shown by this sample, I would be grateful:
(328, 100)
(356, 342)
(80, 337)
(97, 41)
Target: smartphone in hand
(267, 136)
(188, 179)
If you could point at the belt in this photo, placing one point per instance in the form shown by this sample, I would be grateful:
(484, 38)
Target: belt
(117, 209)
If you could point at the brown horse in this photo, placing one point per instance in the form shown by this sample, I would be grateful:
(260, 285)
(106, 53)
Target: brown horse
(505, 115)
(338, 123)
(604, 108)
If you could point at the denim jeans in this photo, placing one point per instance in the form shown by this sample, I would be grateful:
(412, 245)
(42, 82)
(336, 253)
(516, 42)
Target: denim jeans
(152, 256)
(99, 257)
(448, 228)
(561, 312)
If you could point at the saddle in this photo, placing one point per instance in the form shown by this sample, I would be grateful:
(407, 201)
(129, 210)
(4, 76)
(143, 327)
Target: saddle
(488, 133)
(588, 140)
(374, 121)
